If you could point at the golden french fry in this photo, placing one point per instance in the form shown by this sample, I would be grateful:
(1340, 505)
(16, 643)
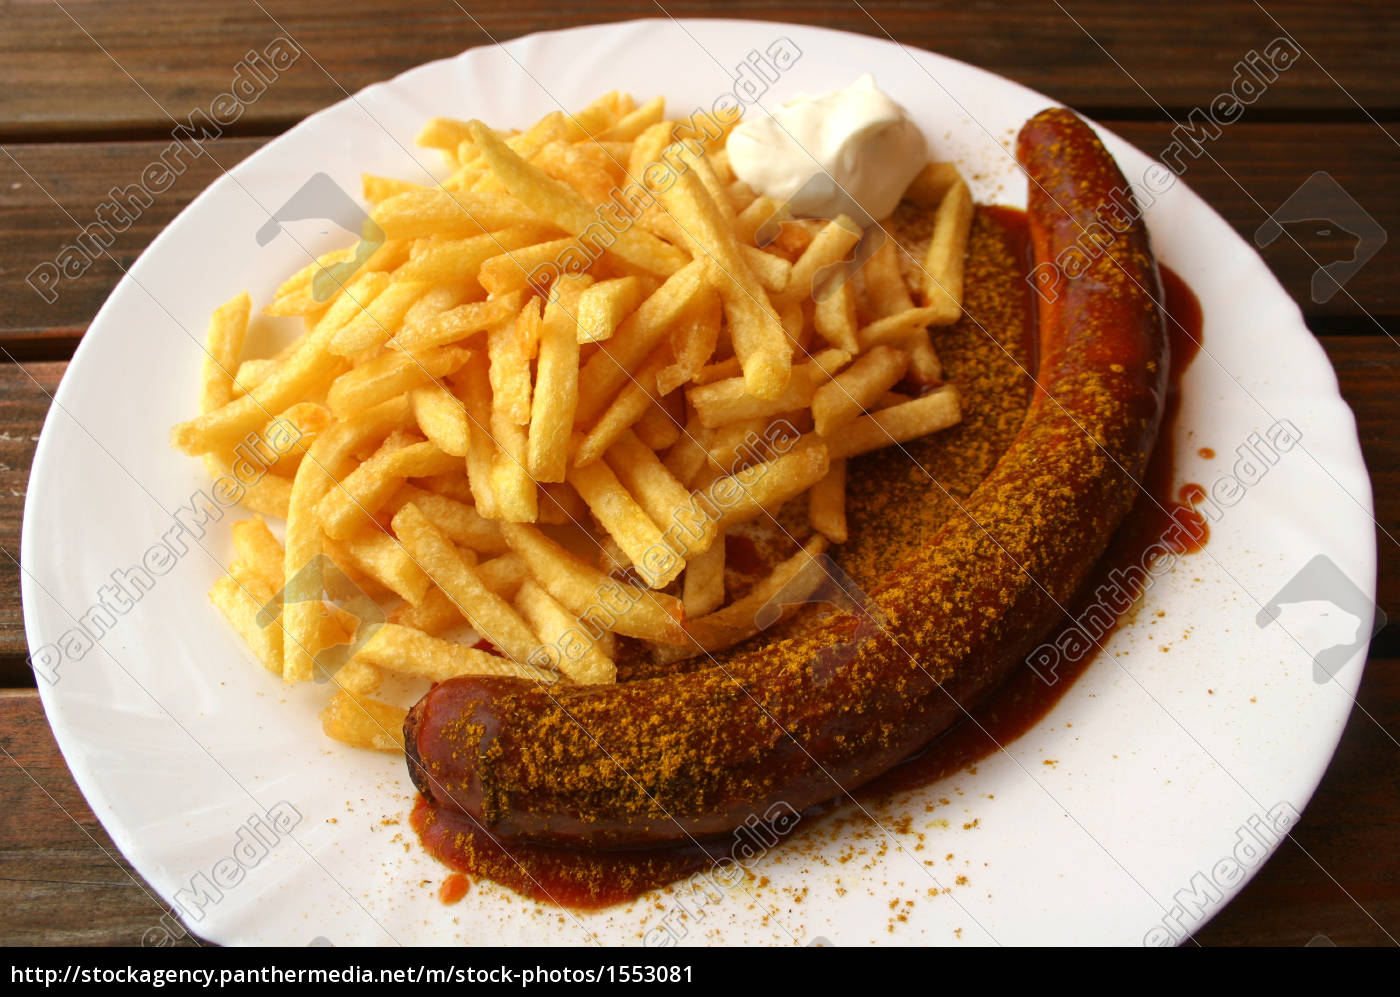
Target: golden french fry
(703, 581)
(473, 384)
(603, 307)
(567, 646)
(857, 388)
(693, 341)
(269, 495)
(228, 327)
(797, 577)
(377, 321)
(762, 488)
(241, 604)
(668, 502)
(327, 459)
(724, 402)
(567, 208)
(634, 123)
(924, 366)
(826, 504)
(349, 506)
(936, 410)
(448, 214)
(456, 324)
(831, 245)
(898, 329)
(885, 290)
(759, 340)
(510, 349)
(931, 184)
(362, 722)
(258, 551)
(598, 600)
(443, 419)
(657, 427)
(555, 394)
(947, 250)
(460, 521)
(405, 651)
(376, 188)
(442, 260)
(391, 376)
(834, 317)
(629, 405)
(488, 613)
(609, 369)
(627, 522)
(382, 558)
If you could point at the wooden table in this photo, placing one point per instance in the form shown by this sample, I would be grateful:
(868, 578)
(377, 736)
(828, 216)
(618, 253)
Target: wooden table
(81, 92)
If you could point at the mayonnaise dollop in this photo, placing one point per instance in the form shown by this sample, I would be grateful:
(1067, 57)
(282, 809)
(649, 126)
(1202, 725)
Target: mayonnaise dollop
(850, 151)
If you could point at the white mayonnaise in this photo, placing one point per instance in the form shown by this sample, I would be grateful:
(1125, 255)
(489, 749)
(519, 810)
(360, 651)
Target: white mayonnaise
(851, 151)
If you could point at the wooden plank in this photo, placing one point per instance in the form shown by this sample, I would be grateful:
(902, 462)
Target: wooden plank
(184, 55)
(65, 882)
(24, 402)
(61, 859)
(51, 193)
(80, 177)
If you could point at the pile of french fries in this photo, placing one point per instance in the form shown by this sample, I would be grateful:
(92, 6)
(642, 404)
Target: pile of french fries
(512, 420)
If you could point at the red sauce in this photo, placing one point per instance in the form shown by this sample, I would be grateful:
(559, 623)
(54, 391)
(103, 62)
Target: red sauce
(1162, 515)
(454, 888)
(1207, 453)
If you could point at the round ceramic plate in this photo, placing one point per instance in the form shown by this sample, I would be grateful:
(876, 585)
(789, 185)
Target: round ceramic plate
(1156, 786)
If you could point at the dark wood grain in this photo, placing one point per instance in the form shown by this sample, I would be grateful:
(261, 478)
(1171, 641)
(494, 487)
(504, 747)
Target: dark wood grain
(48, 192)
(183, 55)
(64, 882)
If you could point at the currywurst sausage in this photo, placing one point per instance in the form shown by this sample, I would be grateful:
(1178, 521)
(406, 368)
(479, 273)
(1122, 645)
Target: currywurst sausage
(805, 718)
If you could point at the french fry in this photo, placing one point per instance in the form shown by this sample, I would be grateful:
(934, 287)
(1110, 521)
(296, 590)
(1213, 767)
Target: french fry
(405, 651)
(509, 347)
(442, 418)
(947, 250)
(627, 522)
(857, 388)
(633, 124)
(448, 214)
(258, 551)
(269, 495)
(885, 290)
(661, 496)
(935, 411)
(609, 369)
(657, 427)
(461, 523)
(391, 376)
(834, 317)
(378, 320)
(228, 327)
(630, 404)
(693, 342)
(457, 324)
(555, 393)
(603, 307)
(362, 722)
(441, 260)
(931, 183)
(724, 402)
(349, 506)
(488, 613)
(376, 188)
(762, 488)
(826, 504)
(474, 387)
(567, 646)
(241, 604)
(594, 597)
(924, 366)
(898, 329)
(703, 581)
(759, 340)
(382, 558)
(831, 245)
(567, 208)
(326, 459)
(797, 577)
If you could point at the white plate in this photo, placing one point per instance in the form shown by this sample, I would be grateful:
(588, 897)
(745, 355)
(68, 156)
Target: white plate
(177, 739)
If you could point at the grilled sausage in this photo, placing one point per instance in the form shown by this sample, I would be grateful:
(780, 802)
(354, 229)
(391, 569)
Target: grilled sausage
(801, 720)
